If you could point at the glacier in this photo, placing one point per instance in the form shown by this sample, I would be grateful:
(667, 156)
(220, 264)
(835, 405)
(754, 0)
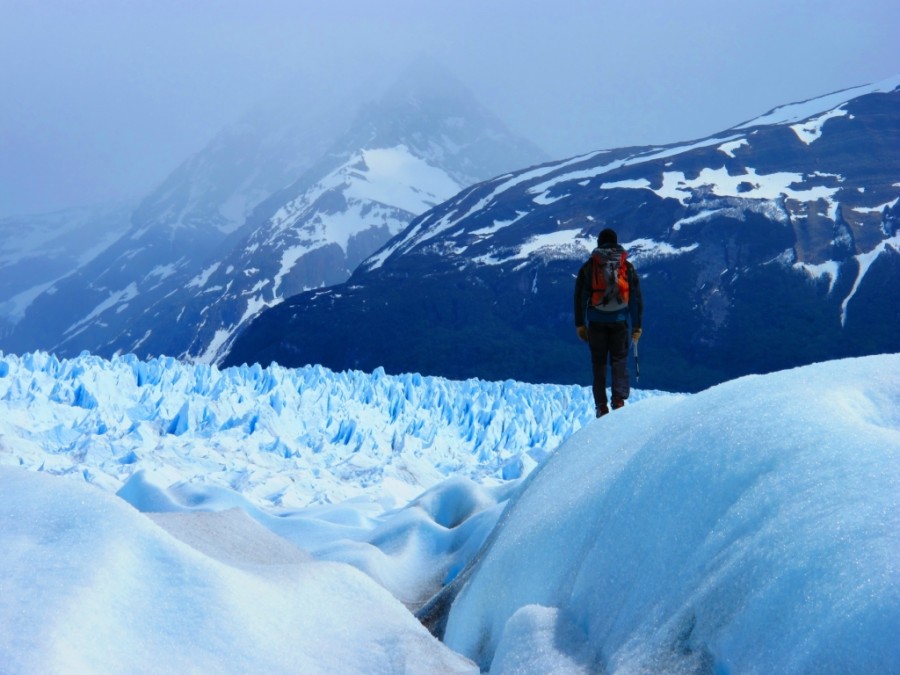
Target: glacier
(90, 585)
(282, 437)
(157, 515)
(750, 528)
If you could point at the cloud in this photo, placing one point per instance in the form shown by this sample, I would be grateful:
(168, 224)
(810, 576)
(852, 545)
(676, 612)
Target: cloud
(105, 97)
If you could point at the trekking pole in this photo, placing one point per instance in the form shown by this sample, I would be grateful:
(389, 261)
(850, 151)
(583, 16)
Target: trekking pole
(637, 363)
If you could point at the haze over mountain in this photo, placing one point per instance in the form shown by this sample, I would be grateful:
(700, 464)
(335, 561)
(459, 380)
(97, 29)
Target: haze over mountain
(418, 145)
(172, 232)
(769, 245)
(112, 95)
(223, 237)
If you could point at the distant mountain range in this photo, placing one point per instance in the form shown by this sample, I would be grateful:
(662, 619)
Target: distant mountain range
(170, 237)
(37, 251)
(288, 199)
(770, 245)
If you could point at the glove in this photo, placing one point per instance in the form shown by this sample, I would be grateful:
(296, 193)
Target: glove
(636, 334)
(582, 332)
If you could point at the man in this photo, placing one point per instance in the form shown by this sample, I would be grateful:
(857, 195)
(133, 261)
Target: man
(607, 295)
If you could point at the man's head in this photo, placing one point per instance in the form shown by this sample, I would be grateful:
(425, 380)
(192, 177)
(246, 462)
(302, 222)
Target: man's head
(607, 236)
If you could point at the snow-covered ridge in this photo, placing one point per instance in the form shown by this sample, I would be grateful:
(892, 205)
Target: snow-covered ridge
(545, 192)
(549, 182)
(675, 185)
(392, 177)
(282, 437)
(804, 110)
(372, 195)
(428, 228)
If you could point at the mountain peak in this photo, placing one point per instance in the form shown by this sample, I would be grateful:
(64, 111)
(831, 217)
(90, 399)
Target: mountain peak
(427, 80)
(433, 114)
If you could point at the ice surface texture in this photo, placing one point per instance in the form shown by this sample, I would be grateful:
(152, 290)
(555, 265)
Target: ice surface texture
(280, 437)
(754, 527)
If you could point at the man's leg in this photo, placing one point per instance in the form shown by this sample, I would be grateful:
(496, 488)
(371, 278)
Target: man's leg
(598, 340)
(618, 356)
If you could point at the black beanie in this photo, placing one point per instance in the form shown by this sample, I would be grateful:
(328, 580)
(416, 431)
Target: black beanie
(607, 236)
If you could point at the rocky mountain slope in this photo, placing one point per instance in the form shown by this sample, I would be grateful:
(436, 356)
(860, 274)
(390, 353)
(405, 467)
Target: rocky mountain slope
(766, 246)
(284, 201)
(419, 144)
(38, 250)
(190, 219)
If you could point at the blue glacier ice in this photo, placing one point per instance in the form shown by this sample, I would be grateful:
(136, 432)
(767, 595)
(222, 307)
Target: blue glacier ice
(282, 437)
(750, 528)
(753, 527)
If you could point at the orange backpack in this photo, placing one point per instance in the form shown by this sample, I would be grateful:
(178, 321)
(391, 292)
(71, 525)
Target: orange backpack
(609, 279)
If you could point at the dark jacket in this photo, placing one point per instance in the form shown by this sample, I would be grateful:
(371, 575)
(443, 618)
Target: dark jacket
(584, 313)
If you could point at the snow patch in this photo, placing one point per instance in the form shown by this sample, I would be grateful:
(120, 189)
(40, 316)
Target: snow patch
(829, 268)
(642, 251)
(729, 148)
(115, 299)
(879, 209)
(749, 185)
(498, 225)
(865, 261)
(163, 271)
(201, 279)
(811, 130)
(15, 307)
(626, 184)
(559, 244)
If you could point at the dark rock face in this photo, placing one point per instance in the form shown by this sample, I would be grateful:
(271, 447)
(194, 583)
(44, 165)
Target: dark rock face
(767, 246)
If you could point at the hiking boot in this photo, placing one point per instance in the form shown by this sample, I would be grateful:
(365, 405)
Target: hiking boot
(617, 403)
(602, 410)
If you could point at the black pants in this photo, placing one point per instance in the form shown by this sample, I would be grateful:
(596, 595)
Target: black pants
(609, 344)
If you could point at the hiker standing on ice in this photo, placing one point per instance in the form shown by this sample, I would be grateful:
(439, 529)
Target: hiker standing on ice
(607, 295)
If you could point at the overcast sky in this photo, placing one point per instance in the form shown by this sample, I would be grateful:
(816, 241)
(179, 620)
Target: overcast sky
(102, 98)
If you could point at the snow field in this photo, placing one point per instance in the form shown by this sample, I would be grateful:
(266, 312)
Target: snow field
(90, 585)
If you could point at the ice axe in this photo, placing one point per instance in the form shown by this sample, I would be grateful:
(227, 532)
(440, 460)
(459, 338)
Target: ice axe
(637, 363)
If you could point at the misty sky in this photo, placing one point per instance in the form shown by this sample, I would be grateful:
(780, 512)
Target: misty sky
(102, 98)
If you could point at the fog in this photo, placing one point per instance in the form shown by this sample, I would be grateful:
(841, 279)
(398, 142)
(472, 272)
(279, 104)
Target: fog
(102, 98)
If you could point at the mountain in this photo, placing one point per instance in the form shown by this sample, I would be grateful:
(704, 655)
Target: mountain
(766, 246)
(192, 218)
(228, 234)
(419, 144)
(38, 250)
